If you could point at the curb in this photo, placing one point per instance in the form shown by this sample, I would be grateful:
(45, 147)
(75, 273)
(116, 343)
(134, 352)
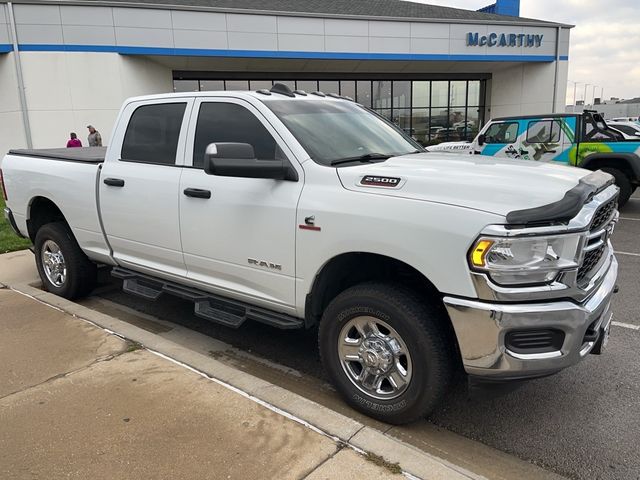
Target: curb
(414, 462)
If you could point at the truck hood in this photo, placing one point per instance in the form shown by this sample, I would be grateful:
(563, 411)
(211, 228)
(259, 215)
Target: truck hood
(489, 184)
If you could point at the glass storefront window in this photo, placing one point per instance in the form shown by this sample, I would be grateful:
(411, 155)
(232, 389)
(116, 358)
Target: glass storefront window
(386, 113)
(348, 88)
(474, 93)
(421, 93)
(439, 94)
(402, 118)
(458, 93)
(401, 94)
(307, 85)
(211, 85)
(381, 94)
(260, 85)
(185, 85)
(364, 93)
(431, 111)
(330, 86)
(473, 122)
(440, 117)
(420, 125)
(237, 85)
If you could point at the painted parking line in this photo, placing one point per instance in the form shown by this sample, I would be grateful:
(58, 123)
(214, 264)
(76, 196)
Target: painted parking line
(626, 325)
(629, 218)
(627, 253)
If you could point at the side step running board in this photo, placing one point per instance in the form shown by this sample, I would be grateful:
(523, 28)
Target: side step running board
(218, 309)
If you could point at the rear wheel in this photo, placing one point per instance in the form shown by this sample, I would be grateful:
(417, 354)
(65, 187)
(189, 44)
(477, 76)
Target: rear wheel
(387, 352)
(63, 267)
(623, 182)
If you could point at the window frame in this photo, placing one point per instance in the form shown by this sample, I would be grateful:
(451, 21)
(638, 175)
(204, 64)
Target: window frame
(515, 139)
(128, 112)
(553, 123)
(195, 112)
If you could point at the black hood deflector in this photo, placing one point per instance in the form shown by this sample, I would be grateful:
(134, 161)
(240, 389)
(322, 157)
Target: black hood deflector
(566, 208)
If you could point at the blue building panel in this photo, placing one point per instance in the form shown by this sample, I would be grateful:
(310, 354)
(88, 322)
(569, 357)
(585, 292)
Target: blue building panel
(503, 7)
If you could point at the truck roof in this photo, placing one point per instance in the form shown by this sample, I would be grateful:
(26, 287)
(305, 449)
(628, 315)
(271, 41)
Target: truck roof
(542, 115)
(262, 95)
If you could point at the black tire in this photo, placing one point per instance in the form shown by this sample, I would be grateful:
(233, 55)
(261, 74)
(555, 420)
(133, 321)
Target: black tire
(81, 273)
(623, 182)
(423, 330)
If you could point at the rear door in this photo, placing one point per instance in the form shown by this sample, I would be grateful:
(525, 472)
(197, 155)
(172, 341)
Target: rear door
(139, 186)
(544, 140)
(240, 241)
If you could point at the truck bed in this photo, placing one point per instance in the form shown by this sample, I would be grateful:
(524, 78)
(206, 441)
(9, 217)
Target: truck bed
(83, 154)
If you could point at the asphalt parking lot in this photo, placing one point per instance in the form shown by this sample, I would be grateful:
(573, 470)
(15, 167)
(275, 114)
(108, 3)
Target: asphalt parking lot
(583, 423)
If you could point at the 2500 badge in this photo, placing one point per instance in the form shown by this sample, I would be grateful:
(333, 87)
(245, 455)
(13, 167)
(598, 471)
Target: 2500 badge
(371, 180)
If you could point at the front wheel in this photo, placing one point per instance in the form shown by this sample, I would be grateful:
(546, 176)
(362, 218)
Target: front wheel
(63, 267)
(387, 352)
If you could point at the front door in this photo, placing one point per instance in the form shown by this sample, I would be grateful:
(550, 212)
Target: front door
(501, 140)
(240, 241)
(138, 190)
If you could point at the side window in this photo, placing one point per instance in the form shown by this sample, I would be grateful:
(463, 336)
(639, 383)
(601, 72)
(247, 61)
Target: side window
(543, 131)
(152, 134)
(228, 122)
(502, 133)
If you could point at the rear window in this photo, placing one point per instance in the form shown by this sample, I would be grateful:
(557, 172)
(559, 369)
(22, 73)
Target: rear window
(152, 134)
(543, 131)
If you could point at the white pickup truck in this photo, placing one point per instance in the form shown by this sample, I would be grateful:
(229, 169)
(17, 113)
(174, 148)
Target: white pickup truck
(309, 211)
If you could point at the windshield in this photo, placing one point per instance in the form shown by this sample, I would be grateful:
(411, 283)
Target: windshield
(334, 131)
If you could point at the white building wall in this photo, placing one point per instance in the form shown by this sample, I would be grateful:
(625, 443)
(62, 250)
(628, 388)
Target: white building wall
(11, 125)
(527, 89)
(66, 91)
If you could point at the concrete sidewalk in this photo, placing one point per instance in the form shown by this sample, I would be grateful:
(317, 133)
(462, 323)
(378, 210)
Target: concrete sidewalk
(78, 402)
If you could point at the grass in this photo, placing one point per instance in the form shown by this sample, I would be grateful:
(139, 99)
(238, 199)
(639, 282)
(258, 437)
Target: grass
(394, 468)
(9, 241)
(133, 346)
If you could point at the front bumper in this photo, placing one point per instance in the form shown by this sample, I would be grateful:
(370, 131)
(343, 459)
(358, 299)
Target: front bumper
(481, 328)
(12, 222)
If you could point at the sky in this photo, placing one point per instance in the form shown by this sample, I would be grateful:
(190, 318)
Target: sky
(605, 44)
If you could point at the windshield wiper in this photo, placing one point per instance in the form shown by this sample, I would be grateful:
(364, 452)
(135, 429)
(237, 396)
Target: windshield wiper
(366, 158)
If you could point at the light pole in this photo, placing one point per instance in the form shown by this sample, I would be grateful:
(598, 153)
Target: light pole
(594, 93)
(575, 87)
(585, 93)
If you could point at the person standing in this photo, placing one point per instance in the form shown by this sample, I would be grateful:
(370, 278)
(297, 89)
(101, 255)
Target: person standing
(74, 141)
(95, 140)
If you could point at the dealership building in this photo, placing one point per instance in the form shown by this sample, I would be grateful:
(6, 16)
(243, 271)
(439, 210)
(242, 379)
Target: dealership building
(438, 72)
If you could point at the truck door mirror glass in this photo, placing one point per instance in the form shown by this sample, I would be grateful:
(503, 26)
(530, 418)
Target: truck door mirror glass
(238, 160)
(481, 139)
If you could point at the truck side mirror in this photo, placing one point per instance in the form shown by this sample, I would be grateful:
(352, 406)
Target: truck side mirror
(239, 160)
(482, 139)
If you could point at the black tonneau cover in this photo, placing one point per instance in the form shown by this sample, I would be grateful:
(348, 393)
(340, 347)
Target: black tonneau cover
(83, 154)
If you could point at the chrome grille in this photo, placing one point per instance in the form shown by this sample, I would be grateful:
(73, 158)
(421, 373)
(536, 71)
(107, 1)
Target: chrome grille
(604, 214)
(591, 260)
(597, 241)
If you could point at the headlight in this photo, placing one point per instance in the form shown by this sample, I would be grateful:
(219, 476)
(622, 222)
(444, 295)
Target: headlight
(525, 260)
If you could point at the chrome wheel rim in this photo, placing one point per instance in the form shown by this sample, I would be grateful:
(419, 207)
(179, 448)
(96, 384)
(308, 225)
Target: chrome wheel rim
(53, 263)
(374, 357)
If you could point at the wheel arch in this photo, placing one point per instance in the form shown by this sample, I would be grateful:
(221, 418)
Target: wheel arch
(348, 269)
(628, 163)
(42, 210)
